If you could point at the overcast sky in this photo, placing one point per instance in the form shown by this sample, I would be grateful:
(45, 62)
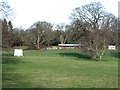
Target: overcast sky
(28, 12)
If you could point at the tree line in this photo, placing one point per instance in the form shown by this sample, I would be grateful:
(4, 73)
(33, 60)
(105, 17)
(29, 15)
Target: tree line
(91, 26)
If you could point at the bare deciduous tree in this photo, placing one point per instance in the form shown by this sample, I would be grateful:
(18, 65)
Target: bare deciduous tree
(5, 10)
(63, 36)
(38, 33)
(92, 17)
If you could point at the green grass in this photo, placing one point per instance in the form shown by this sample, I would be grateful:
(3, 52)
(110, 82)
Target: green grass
(59, 69)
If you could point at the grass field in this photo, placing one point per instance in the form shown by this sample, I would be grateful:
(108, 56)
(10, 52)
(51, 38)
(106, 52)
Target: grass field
(59, 69)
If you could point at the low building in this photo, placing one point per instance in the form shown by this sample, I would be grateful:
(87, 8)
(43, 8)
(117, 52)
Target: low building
(111, 47)
(68, 46)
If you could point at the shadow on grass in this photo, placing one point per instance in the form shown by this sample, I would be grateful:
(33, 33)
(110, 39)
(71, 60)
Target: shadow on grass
(78, 56)
(11, 77)
(7, 55)
(115, 54)
(9, 59)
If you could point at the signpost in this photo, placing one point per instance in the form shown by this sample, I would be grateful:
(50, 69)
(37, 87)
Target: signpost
(18, 52)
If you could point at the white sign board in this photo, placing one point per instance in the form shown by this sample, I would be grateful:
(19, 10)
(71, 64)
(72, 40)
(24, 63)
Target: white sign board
(111, 47)
(18, 52)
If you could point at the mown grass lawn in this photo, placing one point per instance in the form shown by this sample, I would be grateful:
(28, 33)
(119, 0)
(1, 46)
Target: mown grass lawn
(59, 69)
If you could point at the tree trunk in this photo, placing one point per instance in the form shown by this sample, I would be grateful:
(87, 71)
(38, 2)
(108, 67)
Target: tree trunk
(93, 55)
(38, 40)
(104, 48)
(102, 55)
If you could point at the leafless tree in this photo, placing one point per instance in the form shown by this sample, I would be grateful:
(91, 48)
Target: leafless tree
(92, 19)
(6, 10)
(0, 34)
(39, 33)
(6, 14)
(63, 36)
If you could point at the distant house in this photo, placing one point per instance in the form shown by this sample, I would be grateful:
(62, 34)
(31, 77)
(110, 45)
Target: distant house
(68, 46)
(111, 47)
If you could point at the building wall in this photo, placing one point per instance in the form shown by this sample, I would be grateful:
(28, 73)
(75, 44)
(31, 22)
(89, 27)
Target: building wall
(66, 47)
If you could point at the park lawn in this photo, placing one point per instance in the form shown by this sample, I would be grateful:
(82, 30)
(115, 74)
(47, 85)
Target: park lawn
(59, 69)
